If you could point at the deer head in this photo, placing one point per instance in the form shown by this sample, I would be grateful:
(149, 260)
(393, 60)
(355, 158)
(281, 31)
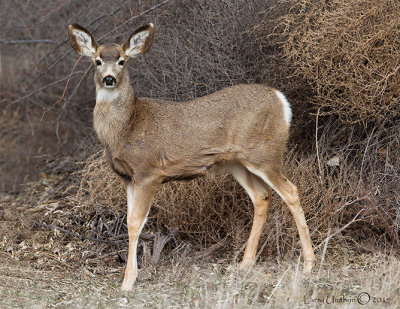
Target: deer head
(110, 60)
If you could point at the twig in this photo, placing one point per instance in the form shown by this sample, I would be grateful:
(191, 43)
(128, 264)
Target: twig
(277, 285)
(43, 17)
(69, 78)
(358, 199)
(44, 87)
(316, 146)
(324, 252)
(278, 251)
(27, 41)
(365, 154)
(57, 59)
(342, 228)
(55, 227)
(134, 17)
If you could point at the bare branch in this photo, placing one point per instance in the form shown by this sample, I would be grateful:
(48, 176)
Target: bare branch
(27, 41)
(69, 100)
(341, 229)
(47, 86)
(134, 17)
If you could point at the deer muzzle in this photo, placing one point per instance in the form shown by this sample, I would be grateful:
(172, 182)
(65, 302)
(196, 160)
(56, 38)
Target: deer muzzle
(109, 81)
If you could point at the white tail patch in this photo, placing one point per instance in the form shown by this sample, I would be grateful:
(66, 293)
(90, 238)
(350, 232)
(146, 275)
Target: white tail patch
(287, 110)
(104, 94)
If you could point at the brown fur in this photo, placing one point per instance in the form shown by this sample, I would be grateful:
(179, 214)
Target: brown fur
(155, 137)
(241, 128)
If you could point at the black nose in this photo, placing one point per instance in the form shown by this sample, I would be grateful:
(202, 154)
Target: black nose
(109, 80)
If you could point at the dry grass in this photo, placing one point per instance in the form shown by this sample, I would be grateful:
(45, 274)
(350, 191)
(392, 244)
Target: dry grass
(210, 286)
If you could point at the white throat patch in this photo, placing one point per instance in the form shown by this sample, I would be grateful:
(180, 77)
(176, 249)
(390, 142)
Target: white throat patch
(106, 94)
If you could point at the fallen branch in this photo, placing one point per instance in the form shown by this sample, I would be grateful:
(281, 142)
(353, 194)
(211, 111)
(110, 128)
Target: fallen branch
(210, 250)
(143, 236)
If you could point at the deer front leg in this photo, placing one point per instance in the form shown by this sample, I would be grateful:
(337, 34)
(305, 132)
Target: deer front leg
(139, 200)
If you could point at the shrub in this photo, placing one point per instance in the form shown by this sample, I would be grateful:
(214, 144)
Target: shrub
(349, 52)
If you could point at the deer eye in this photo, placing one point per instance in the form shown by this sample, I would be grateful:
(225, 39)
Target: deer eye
(121, 62)
(98, 62)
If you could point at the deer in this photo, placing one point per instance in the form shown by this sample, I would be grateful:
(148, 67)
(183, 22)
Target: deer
(242, 129)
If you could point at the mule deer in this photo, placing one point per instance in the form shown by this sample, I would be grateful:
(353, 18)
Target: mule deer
(242, 129)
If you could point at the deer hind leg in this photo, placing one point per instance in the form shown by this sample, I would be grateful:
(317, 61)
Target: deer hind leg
(139, 201)
(288, 192)
(260, 195)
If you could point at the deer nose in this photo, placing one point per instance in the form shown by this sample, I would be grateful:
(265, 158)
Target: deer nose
(109, 80)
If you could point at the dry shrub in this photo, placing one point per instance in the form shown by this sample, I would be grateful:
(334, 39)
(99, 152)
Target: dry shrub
(349, 52)
(203, 210)
(99, 185)
(199, 48)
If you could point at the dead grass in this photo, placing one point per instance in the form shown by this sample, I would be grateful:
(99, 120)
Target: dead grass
(210, 285)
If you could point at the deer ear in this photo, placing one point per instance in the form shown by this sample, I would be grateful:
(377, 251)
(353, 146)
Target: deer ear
(140, 41)
(82, 41)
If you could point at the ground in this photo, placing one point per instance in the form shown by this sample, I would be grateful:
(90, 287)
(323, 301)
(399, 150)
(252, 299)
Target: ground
(204, 285)
(41, 267)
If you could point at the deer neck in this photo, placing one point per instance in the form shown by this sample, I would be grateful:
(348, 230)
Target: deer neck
(113, 112)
